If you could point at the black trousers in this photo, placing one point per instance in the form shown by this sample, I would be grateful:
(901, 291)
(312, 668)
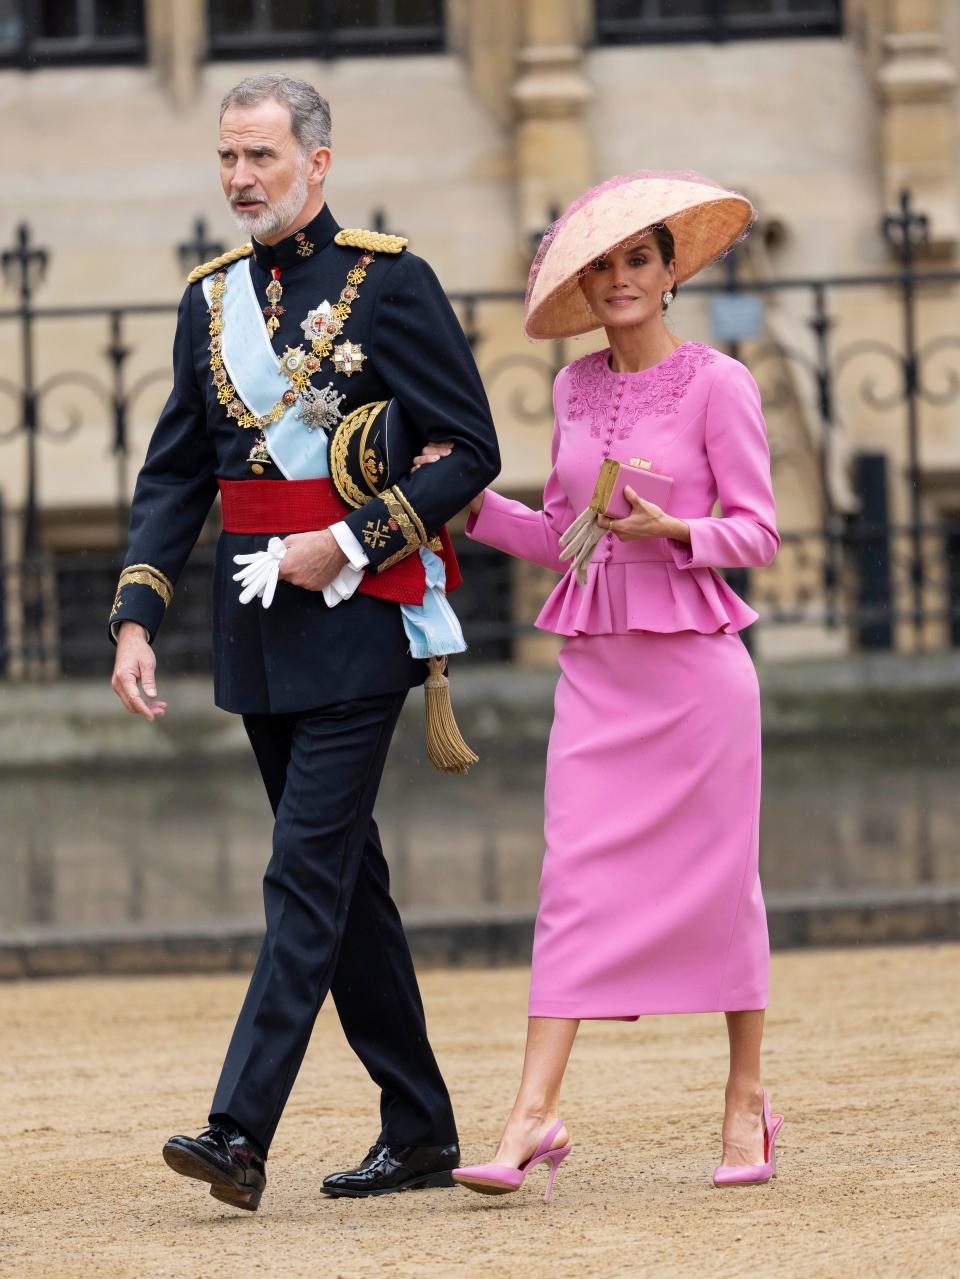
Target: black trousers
(331, 925)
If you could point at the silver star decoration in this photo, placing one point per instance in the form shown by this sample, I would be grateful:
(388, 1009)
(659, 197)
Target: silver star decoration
(319, 408)
(310, 328)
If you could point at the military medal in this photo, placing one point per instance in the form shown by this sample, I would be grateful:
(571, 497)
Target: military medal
(318, 409)
(315, 325)
(292, 363)
(325, 322)
(348, 358)
(274, 310)
(258, 457)
(305, 247)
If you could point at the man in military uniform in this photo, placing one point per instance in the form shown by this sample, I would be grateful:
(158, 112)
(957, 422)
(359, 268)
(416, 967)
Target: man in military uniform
(276, 343)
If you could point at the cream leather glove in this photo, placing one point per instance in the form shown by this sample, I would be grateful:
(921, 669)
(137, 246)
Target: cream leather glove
(579, 542)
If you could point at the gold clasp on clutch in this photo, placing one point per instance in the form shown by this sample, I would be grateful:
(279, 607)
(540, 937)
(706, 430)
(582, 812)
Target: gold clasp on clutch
(603, 490)
(642, 463)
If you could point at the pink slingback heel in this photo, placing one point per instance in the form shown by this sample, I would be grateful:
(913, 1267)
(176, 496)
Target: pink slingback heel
(755, 1174)
(501, 1179)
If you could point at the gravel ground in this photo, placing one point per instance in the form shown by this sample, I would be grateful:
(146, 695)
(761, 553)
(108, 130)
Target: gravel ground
(862, 1053)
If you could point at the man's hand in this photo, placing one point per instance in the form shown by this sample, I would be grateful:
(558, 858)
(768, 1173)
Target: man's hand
(135, 665)
(312, 560)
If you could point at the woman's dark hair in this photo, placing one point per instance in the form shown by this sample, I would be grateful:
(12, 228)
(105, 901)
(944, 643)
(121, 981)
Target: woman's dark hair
(663, 237)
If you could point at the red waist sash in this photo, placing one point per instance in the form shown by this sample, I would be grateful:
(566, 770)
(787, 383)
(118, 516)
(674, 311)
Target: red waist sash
(279, 507)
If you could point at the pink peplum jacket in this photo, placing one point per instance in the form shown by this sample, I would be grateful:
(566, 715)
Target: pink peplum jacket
(695, 416)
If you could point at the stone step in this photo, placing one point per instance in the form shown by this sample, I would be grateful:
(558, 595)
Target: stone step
(478, 937)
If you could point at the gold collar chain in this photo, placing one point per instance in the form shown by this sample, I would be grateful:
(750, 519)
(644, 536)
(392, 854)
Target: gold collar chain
(295, 364)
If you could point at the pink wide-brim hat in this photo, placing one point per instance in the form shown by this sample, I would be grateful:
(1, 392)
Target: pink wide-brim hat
(706, 221)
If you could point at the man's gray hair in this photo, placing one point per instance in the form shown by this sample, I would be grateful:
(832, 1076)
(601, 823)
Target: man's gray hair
(309, 112)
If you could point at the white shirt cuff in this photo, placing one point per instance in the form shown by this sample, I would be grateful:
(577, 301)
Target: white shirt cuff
(345, 539)
(342, 586)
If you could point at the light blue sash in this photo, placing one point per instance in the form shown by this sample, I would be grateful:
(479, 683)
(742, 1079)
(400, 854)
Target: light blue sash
(253, 367)
(432, 627)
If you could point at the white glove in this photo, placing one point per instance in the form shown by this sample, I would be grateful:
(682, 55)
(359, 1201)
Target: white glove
(260, 573)
(579, 542)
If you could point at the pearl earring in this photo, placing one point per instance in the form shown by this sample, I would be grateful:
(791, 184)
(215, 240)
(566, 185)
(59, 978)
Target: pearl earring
(667, 298)
(588, 306)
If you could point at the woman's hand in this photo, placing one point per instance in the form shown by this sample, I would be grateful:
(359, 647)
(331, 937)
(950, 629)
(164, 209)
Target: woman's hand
(645, 520)
(431, 453)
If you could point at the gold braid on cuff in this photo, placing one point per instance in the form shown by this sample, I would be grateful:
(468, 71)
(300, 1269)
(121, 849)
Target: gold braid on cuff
(144, 575)
(398, 507)
(415, 518)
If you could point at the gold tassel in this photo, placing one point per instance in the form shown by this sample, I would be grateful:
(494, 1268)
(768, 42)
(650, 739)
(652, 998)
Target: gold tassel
(446, 749)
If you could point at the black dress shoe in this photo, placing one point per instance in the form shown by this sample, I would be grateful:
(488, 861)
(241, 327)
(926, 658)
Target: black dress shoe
(225, 1158)
(389, 1168)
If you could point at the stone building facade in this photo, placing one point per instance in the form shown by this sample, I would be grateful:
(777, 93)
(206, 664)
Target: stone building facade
(465, 125)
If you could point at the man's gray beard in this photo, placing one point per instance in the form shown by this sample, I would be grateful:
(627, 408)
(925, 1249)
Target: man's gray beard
(271, 218)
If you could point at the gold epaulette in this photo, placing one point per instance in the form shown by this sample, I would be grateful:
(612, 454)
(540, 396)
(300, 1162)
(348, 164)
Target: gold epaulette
(225, 259)
(371, 241)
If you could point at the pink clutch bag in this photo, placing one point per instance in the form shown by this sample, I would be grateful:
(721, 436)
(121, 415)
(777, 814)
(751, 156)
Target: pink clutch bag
(614, 477)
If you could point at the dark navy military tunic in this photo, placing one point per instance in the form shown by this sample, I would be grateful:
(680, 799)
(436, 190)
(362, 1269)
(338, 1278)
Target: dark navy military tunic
(300, 654)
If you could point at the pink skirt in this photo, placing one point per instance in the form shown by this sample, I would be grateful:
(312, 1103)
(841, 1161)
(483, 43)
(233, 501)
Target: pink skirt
(650, 898)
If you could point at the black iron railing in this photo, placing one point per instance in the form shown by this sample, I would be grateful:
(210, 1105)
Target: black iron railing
(885, 574)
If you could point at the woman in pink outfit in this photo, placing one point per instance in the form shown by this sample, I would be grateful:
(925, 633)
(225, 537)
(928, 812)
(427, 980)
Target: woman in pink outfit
(650, 898)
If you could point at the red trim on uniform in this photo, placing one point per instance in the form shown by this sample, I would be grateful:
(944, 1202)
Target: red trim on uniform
(302, 506)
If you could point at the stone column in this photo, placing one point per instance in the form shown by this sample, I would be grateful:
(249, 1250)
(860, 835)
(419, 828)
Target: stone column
(176, 38)
(918, 90)
(550, 96)
(486, 36)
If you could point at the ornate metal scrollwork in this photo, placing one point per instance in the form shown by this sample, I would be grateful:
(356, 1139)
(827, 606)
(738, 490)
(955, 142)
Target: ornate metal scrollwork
(928, 352)
(844, 358)
(530, 402)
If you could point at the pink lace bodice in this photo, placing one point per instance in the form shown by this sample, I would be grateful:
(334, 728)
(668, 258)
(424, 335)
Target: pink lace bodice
(695, 416)
(620, 400)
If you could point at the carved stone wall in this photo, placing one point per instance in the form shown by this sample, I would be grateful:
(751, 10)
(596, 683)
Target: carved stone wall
(917, 84)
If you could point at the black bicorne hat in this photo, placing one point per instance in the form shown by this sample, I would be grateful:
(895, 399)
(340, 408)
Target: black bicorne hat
(372, 448)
